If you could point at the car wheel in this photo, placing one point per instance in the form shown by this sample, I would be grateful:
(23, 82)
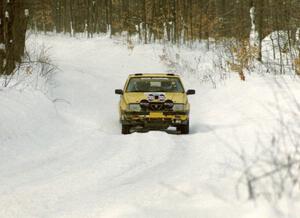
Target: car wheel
(184, 129)
(126, 129)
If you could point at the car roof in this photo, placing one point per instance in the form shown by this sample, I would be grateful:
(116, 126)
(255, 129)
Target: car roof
(153, 75)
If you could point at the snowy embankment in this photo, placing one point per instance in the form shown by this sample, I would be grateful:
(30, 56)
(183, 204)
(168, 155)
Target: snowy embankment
(62, 154)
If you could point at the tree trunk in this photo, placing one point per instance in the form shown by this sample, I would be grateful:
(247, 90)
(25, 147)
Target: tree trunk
(145, 22)
(260, 28)
(13, 27)
(8, 37)
(2, 42)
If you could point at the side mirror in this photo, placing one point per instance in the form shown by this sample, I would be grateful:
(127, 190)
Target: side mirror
(191, 92)
(119, 92)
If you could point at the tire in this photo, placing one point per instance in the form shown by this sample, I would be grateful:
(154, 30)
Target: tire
(126, 129)
(184, 129)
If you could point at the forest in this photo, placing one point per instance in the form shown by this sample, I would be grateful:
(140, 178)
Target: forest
(176, 21)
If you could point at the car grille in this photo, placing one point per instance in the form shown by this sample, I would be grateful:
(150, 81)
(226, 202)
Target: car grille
(156, 106)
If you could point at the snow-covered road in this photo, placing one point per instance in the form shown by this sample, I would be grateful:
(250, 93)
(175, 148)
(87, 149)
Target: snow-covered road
(64, 156)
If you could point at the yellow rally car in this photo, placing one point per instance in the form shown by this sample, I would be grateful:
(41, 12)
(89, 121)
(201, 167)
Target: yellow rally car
(154, 101)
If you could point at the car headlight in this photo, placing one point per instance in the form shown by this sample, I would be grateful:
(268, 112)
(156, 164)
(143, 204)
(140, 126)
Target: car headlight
(178, 107)
(134, 107)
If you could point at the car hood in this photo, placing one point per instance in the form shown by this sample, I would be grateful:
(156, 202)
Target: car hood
(136, 97)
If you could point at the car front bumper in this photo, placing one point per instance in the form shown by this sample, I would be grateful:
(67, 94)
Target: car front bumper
(155, 119)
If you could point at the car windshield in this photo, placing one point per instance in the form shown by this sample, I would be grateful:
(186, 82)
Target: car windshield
(154, 84)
